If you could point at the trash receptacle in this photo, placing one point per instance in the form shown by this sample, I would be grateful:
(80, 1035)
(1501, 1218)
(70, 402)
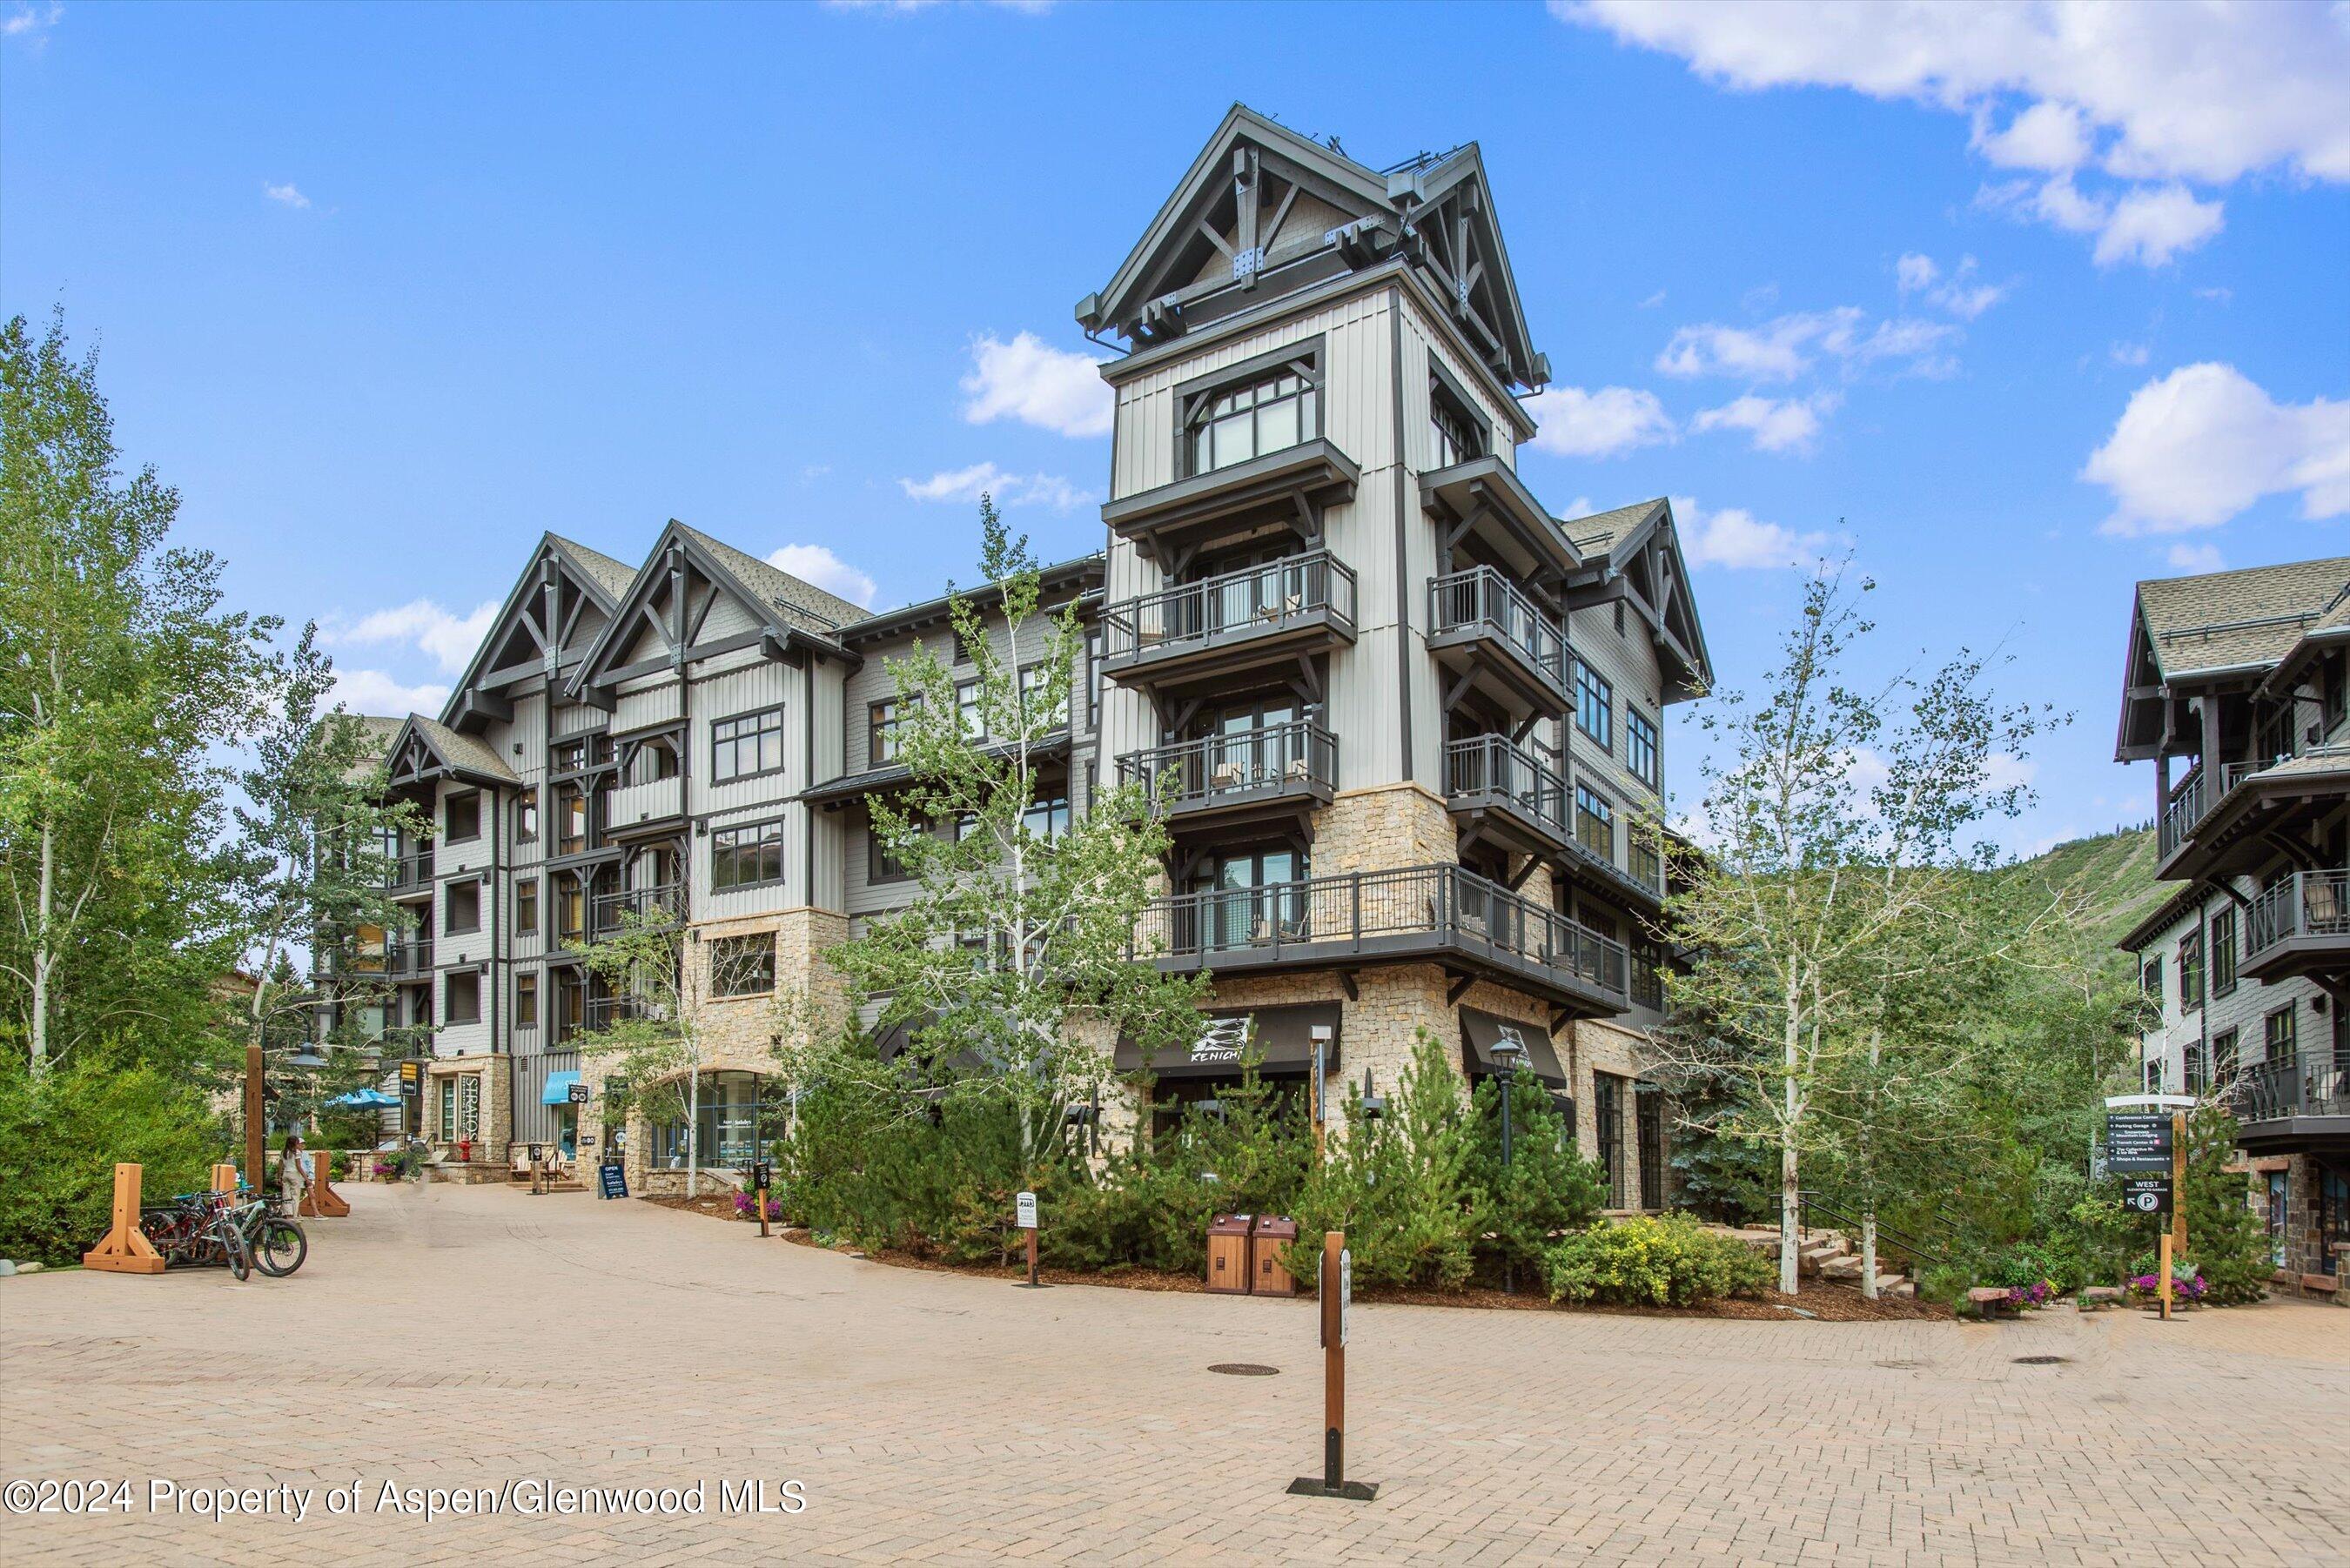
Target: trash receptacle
(1228, 1254)
(1267, 1276)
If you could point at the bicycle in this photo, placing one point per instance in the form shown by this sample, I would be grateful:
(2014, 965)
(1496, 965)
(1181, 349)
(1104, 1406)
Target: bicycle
(279, 1245)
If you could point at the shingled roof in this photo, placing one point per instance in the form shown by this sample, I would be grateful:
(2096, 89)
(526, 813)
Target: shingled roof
(613, 576)
(378, 730)
(466, 753)
(2235, 620)
(1603, 531)
(778, 587)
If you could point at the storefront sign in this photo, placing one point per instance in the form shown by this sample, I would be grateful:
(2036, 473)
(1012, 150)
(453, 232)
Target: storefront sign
(615, 1181)
(412, 1077)
(2136, 1141)
(2147, 1194)
(1023, 1207)
(579, 1094)
(1223, 1043)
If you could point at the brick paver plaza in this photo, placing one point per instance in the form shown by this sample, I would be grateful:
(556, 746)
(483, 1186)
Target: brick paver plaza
(463, 1337)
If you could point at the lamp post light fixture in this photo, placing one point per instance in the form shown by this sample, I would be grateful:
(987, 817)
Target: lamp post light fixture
(1507, 1052)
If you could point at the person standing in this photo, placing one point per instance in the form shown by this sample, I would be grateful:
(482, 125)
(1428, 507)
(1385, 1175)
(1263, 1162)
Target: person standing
(294, 1171)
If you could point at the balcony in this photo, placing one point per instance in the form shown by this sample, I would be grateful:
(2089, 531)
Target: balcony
(1504, 795)
(2223, 822)
(658, 908)
(1438, 914)
(644, 810)
(600, 1012)
(1168, 519)
(1484, 630)
(410, 961)
(2292, 1106)
(1303, 604)
(411, 876)
(2300, 926)
(1273, 770)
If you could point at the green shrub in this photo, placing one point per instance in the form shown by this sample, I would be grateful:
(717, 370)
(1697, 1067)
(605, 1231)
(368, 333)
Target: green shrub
(1668, 1261)
(60, 1143)
(1547, 1190)
(1400, 1187)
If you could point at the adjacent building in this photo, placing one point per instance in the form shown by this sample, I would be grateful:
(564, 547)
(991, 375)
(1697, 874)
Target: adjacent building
(1413, 721)
(2238, 690)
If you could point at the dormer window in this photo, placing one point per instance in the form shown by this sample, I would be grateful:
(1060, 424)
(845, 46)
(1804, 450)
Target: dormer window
(1270, 405)
(1456, 434)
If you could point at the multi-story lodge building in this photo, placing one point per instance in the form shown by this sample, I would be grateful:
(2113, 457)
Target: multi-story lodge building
(1412, 719)
(2244, 677)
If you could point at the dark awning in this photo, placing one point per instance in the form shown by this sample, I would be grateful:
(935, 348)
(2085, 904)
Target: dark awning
(1481, 1031)
(1285, 1044)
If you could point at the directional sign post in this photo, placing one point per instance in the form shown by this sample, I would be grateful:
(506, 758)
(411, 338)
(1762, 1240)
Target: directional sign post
(1337, 1291)
(1023, 1209)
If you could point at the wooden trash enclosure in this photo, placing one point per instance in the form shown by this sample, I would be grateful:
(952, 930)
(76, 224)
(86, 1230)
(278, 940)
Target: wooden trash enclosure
(1267, 1277)
(1228, 1254)
(125, 1249)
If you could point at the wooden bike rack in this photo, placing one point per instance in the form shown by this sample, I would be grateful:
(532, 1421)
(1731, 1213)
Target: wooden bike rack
(322, 1201)
(125, 1249)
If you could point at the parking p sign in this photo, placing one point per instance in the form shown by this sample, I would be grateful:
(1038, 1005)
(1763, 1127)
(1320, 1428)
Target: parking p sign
(2148, 1194)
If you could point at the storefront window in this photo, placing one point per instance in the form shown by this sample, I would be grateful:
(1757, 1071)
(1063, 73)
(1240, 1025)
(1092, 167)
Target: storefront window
(729, 1123)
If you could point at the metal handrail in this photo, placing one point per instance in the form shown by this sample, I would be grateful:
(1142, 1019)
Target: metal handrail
(1491, 765)
(665, 902)
(1188, 771)
(410, 957)
(2291, 1085)
(1447, 904)
(1903, 1242)
(411, 870)
(1252, 599)
(1481, 599)
(2305, 904)
(2182, 811)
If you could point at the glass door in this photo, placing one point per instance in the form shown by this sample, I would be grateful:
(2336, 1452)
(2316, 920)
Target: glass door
(1251, 899)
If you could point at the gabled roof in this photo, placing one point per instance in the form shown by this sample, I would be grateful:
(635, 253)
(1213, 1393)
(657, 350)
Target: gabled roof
(1082, 574)
(793, 618)
(2216, 629)
(2330, 630)
(1640, 544)
(375, 732)
(1264, 212)
(592, 577)
(426, 749)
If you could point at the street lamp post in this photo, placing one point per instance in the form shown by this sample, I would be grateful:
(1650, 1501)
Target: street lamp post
(1507, 1054)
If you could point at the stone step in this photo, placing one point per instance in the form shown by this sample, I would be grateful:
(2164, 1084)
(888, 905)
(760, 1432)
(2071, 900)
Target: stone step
(1844, 1267)
(1895, 1286)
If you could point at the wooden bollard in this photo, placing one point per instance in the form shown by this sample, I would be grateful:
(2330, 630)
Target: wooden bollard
(224, 1178)
(125, 1249)
(322, 1201)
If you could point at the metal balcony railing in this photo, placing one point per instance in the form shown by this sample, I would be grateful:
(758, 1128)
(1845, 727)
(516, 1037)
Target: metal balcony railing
(1410, 909)
(1272, 758)
(600, 1012)
(2296, 1085)
(1490, 766)
(411, 871)
(408, 958)
(2305, 904)
(2182, 811)
(1232, 607)
(658, 906)
(1483, 600)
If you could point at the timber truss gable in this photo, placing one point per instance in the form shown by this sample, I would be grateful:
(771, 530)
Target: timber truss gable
(663, 624)
(424, 751)
(1264, 213)
(542, 630)
(1642, 567)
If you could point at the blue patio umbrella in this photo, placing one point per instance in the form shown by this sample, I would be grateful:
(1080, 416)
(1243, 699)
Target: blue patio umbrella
(366, 1100)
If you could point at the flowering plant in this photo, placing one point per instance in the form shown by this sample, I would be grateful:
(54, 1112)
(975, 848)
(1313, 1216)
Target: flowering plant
(2035, 1294)
(745, 1204)
(2188, 1285)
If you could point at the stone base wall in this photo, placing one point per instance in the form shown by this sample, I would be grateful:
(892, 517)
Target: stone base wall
(1375, 829)
(495, 1131)
(1602, 1047)
(2307, 1249)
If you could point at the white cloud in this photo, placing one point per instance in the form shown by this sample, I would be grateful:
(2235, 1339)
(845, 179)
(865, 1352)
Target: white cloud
(1030, 381)
(1653, 300)
(2201, 444)
(968, 484)
(816, 564)
(1784, 348)
(287, 194)
(447, 639)
(1734, 537)
(2221, 295)
(2144, 97)
(1915, 272)
(373, 691)
(1789, 424)
(1963, 294)
(1606, 423)
(2130, 353)
(2185, 557)
(32, 24)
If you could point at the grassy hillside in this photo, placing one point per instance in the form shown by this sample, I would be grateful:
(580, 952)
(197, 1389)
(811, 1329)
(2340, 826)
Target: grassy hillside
(2115, 871)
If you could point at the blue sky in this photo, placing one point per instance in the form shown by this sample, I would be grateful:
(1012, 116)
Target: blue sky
(2018, 304)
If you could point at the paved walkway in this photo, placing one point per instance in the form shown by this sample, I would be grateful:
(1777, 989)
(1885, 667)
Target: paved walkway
(464, 1337)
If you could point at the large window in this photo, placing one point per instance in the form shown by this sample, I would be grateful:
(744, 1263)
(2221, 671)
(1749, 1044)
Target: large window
(881, 735)
(525, 1002)
(570, 908)
(1648, 979)
(1032, 692)
(974, 723)
(1595, 823)
(462, 816)
(748, 857)
(570, 820)
(1048, 816)
(1607, 1111)
(1234, 424)
(461, 906)
(1640, 857)
(2223, 1057)
(880, 863)
(461, 998)
(2283, 1030)
(2190, 972)
(1640, 753)
(1457, 434)
(2150, 979)
(746, 746)
(2223, 952)
(527, 817)
(743, 966)
(526, 907)
(1594, 706)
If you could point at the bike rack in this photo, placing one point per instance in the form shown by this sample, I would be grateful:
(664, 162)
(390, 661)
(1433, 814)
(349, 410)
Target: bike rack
(125, 1249)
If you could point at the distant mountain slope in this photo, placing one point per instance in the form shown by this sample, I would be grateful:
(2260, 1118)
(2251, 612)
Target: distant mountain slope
(2115, 872)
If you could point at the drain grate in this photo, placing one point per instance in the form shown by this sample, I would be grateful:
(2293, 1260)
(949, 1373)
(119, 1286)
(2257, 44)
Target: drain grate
(1244, 1369)
(2039, 1361)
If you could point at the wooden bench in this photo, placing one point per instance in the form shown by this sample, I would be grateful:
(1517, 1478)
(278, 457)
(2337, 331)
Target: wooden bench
(1993, 1302)
(2097, 1298)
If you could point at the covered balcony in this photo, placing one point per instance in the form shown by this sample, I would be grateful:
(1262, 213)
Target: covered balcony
(2225, 821)
(1490, 638)
(1503, 795)
(657, 908)
(1292, 484)
(2299, 1104)
(1441, 914)
(411, 959)
(411, 875)
(1272, 770)
(2299, 927)
(645, 810)
(1295, 606)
